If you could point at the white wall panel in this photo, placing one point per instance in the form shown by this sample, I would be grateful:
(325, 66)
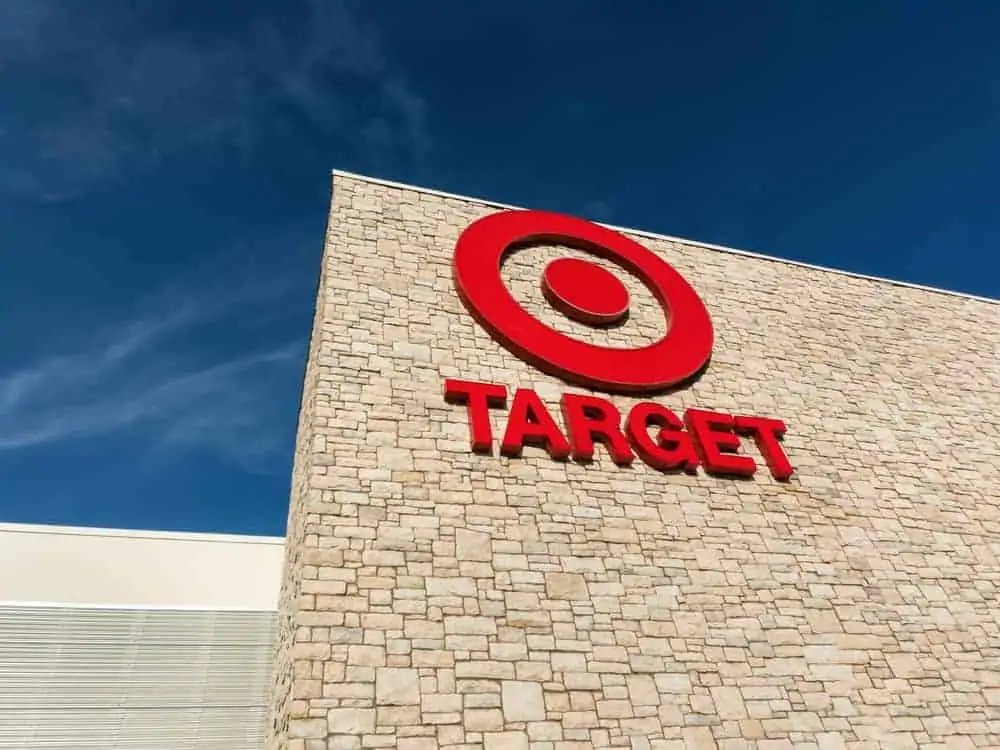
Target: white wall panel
(67, 565)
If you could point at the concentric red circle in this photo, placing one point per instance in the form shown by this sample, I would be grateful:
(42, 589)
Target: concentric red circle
(585, 292)
(680, 354)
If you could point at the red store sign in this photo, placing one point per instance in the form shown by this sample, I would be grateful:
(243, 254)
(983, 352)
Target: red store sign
(589, 294)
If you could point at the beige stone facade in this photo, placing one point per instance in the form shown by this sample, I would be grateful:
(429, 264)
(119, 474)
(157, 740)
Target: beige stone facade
(436, 598)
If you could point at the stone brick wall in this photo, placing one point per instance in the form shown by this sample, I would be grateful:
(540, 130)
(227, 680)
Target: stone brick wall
(313, 408)
(440, 599)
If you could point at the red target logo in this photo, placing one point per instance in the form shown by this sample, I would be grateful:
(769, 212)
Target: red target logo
(584, 292)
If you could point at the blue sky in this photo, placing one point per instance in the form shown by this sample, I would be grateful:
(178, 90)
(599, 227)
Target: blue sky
(164, 178)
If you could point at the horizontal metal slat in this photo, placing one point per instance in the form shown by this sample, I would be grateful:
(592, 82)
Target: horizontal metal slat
(74, 678)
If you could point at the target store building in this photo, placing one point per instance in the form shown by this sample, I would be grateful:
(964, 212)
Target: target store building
(560, 486)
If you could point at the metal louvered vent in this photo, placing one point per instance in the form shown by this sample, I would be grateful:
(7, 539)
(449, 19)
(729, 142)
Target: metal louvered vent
(73, 678)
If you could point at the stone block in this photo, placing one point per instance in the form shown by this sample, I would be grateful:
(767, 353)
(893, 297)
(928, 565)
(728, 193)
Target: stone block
(567, 586)
(522, 701)
(506, 741)
(350, 720)
(397, 686)
(473, 545)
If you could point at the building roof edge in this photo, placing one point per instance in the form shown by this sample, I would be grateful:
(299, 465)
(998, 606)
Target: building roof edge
(671, 238)
(28, 528)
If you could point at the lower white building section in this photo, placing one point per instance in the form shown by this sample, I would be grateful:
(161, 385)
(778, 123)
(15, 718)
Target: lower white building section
(117, 639)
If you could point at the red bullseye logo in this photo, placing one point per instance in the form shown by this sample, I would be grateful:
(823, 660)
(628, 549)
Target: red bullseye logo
(586, 293)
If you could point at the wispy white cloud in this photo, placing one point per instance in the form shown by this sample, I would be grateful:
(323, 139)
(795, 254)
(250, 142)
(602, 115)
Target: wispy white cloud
(173, 398)
(96, 90)
(126, 87)
(62, 373)
(135, 376)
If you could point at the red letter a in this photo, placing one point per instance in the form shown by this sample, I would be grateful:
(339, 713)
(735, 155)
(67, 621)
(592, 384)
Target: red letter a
(529, 423)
